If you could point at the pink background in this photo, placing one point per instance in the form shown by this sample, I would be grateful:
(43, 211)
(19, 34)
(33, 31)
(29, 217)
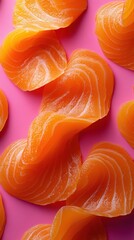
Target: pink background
(23, 107)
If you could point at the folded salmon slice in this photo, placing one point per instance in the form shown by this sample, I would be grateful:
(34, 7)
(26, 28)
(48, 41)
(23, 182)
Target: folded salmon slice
(125, 121)
(74, 223)
(128, 12)
(84, 90)
(2, 218)
(106, 184)
(32, 59)
(116, 39)
(48, 14)
(70, 223)
(3, 109)
(49, 160)
(45, 180)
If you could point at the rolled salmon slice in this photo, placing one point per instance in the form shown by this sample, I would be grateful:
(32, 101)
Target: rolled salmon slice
(32, 59)
(2, 218)
(3, 109)
(106, 184)
(70, 223)
(116, 40)
(41, 232)
(47, 15)
(128, 12)
(125, 121)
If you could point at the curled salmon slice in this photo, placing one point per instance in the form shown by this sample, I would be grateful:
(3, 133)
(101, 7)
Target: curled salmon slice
(74, 223)
(125, 121)
(2, 218)
(48, 163)
(38, 232)
(47, 15)
(115, 38)
(70, 223)
(3, 110)
(128, 12)
(32, 59)
(38, 170)
(106, 184)
(84, 90)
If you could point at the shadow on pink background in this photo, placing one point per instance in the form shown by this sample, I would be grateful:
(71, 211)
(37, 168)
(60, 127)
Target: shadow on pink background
(24, 106)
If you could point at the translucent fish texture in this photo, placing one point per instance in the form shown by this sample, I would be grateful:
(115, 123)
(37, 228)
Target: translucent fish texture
(106, 184)
(115, 35)
(47, 15)
(3, 109)
(32, 59)
(70, 223)
(125, 121)
(45, 167)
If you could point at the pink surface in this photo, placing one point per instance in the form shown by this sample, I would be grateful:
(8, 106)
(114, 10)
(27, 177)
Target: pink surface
(23, 107)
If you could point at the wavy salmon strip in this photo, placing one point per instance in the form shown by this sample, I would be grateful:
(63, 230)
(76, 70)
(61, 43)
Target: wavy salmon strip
(84, 90)
(126, 121)
(73, 223)
(47, 15)
(106, 184)
(32, 59)
(3, 110)
(45, 172)
(45, 180)
(2, 218)
(70, 223)
(128, 12)
(116, 39)
(39, 232)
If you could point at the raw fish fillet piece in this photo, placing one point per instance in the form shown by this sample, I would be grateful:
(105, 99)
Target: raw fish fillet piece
(50, 175)
(3, 109)
(128, 12)
(70, 223)
(39, 232)
(45, 168)
(116, 39)
(40, 15)
(2, 218)
(125, 121)
(106, 184)
(85, 89)
(32, 59)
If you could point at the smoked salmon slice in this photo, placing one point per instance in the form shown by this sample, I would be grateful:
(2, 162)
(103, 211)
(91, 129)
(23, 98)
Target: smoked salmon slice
(125, 121)
(106, 183)
(3, 110)
(39, 232)
(45, 172)
(47, 15)
(2, 218)
(116, 39)
(70, 223)
(128, 12)
(32, 59)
